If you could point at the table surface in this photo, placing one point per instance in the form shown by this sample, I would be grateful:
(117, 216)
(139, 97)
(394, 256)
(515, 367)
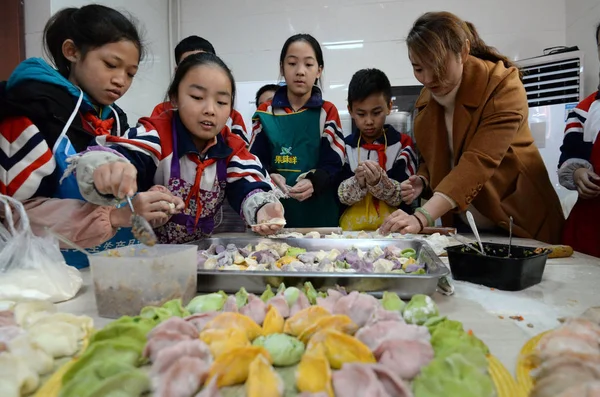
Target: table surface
(567, 289)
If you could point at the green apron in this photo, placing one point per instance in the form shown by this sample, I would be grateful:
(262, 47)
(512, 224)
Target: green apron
(295, 141)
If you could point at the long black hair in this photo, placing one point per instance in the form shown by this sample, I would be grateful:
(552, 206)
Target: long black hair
(89, 27)
(195, 60)
(308, 39)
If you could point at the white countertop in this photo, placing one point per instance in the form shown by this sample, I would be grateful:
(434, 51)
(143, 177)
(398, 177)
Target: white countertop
(569, 287)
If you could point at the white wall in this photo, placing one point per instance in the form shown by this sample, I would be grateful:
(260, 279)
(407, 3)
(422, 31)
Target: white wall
(249, 34)
(151, 82)
(582, 18)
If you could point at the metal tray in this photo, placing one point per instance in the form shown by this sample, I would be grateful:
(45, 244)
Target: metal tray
(405, 285)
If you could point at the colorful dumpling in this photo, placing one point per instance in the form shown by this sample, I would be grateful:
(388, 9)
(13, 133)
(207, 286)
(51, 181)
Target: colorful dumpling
(339, 322)
(263, 381)
(231, 368)
(235, 320)
(341, 348)
(273, 323)
(302, 320)
(314, 373)
(222, 340)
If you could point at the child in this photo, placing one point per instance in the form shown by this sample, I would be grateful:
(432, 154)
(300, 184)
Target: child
(298, 137)
(194, 45)
(192, 153)
(265, 93)
(578, 170)
(48, 114)
(378, 158)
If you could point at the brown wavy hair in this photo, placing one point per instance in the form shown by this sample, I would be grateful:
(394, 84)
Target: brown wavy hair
(436, 34)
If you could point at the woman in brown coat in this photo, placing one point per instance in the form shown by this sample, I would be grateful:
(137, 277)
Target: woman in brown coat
(477, 152)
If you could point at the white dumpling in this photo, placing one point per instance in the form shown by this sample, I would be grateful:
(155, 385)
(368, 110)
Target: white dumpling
(16, 378)
(382, 266)
(84, 323)
(333, 254)
(321, 255)
(58, 339)
(34, 356)
(281, 248)
(24, 309)
(313, 234)
(211, 263)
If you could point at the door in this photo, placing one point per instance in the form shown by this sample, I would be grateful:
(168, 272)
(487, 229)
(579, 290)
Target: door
(12, 36)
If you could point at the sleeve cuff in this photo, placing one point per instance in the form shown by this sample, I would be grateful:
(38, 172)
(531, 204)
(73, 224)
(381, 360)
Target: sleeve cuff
(83, 166)
(319, 179)
(447, 198)
(567, 170)
(253, 202)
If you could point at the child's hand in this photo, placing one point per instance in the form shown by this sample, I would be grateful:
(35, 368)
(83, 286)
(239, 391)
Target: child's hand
(280, 182)
(178, 204)
(302, 190)
(153, 206)
(117, 179)
(411, 189)
(373, 172)
(587, 183)
(264, 215)
(359, 174)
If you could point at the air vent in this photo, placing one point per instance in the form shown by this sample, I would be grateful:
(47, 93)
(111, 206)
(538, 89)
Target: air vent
(553, 79)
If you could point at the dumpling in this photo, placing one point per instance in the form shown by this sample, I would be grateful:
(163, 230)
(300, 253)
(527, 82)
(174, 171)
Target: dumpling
(175, 324)
(84, 323)
(162, 341)
(16, 378)
(24, 309)
(58, 339)
(183, 378)
(36, 358)
(191, 348)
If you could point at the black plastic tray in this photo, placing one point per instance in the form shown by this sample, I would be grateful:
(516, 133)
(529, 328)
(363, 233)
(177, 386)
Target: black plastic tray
(510, 274)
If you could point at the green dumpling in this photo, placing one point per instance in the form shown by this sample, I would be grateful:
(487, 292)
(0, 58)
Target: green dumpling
(420, 309)
(390, 301)
(124, 349)
(453, 376)
(285, 350)
(105, 378)
(207, 303)
(176, 308)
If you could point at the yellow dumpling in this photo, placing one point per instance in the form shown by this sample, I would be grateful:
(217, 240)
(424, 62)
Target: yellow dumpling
(263, 381)
(222, 340)
(341, 348)
(231, 368)
(300, 321)
(340, 322)
(314, 374)
(273, 323)
(235, 320)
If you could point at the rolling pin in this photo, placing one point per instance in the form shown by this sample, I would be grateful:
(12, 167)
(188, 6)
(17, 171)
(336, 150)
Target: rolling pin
(445, 231)
(321, 230)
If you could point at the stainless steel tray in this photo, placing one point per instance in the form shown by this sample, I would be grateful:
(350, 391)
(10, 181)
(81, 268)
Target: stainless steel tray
(405, 285)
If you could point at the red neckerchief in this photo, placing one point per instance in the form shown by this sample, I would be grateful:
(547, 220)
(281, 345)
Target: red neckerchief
(96, 126)
(380, 148)
(195, 191)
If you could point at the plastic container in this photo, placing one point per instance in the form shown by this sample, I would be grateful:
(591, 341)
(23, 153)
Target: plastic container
(523, 269)
(129, 278)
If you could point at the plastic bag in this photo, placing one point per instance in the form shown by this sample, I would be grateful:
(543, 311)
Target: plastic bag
(32, 267)
(368, 214)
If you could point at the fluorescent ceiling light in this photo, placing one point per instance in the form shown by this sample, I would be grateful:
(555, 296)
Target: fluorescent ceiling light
(344, 45)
